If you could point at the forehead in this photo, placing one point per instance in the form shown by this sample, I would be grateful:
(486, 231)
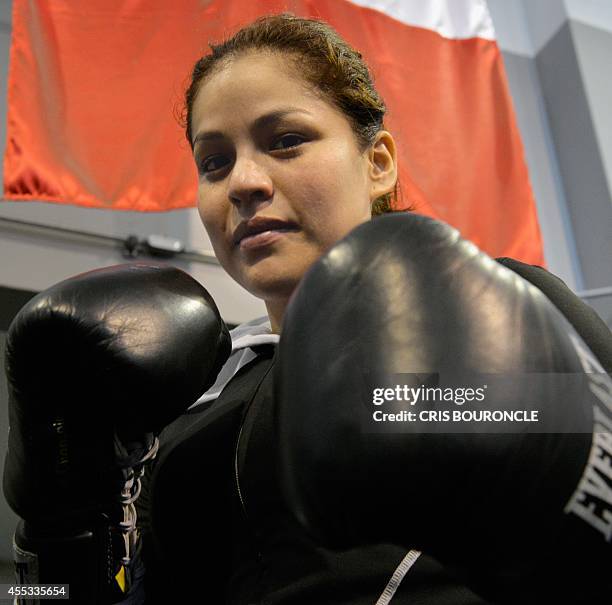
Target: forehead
(254, 84)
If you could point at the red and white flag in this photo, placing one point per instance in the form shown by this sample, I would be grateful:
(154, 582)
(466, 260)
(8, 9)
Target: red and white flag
(94, 87)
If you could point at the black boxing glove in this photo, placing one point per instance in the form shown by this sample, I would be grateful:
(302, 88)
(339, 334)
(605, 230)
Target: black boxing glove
(523, 515)
(97, 365)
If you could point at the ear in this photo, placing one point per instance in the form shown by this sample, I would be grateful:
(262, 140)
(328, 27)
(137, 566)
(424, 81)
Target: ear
(382, 170)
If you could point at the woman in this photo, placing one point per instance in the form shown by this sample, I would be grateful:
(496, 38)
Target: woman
(287, 134)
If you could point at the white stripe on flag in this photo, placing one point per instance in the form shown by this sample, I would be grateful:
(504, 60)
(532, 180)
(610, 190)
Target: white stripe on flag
(450, 18)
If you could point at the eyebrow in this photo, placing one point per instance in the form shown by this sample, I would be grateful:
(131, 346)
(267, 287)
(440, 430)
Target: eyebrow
(268, 119)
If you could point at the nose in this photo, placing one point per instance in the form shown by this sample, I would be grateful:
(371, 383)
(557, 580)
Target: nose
(249, 183)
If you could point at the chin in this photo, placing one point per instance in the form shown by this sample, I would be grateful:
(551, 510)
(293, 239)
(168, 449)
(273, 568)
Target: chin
(272, 278)
(271, 287)
(275, 291)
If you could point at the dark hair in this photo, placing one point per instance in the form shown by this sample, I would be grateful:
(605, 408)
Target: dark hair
(326, 61)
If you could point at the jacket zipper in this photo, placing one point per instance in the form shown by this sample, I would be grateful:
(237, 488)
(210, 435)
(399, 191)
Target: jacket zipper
(236, 475)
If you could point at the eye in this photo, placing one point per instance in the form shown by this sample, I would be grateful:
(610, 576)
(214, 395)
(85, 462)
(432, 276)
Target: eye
(287, 141)
(212, 163)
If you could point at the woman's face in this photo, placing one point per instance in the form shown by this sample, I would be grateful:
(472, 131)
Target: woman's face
(281, 175)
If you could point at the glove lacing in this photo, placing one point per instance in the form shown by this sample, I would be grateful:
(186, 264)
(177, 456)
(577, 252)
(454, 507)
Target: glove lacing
(128, 496)
(122, 522)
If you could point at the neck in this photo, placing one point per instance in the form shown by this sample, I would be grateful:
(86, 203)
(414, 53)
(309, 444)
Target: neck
(276, 310)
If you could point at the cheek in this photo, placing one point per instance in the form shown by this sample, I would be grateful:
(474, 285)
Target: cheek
(214, 223)
(212, 215)
(336, 200)
(345, 174)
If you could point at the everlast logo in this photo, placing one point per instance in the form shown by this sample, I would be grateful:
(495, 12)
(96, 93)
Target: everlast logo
(592, 500)
(62, 459)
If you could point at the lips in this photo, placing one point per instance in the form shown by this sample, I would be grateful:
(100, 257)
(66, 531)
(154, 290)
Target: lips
(260, 224)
